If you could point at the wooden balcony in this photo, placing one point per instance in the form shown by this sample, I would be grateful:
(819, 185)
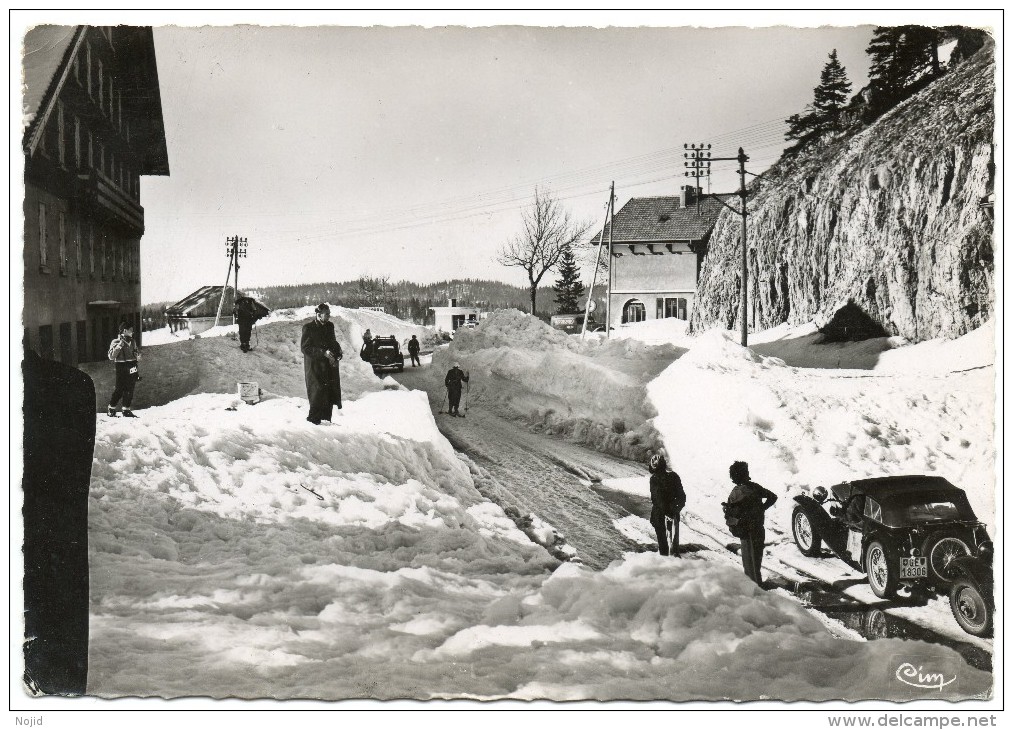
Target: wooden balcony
(106, 198)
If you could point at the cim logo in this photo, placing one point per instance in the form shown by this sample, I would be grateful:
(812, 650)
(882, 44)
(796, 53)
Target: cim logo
(918, 676)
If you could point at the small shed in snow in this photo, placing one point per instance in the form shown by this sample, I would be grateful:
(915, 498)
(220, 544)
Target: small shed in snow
(196, 312)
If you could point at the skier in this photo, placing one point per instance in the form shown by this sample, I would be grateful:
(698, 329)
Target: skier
(321, 353)
(667, 500)
(748, 501)
(455, 376)
(413, 350)
(247, 311)
(125, 353)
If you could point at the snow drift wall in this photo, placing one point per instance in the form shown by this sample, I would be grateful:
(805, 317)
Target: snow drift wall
(592, 392)
(888, 219)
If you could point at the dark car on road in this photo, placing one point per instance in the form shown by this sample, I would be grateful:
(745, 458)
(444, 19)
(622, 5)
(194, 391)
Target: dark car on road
(383, 353)
(918, 531)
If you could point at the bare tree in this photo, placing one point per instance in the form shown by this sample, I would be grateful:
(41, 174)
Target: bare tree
(373, 290)
(548, 231)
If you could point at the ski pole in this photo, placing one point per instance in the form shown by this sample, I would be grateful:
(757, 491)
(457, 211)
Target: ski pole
(467, 390)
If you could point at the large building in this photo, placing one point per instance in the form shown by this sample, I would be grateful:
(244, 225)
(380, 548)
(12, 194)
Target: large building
(93, 127)
(658, 246)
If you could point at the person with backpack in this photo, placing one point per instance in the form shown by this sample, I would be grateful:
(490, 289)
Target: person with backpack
(125, 353)
(667, 500)
(321, 353)
(744, 512)
(413, 350)
(247, 311)
(455, 377)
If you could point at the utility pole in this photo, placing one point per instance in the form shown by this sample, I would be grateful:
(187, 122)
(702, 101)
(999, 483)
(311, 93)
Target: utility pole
(235, 248)
(741, 158)
(699, 166)
(608, 288)
(594, 272)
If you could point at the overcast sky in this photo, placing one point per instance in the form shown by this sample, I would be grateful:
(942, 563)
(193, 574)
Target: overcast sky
(411, 152)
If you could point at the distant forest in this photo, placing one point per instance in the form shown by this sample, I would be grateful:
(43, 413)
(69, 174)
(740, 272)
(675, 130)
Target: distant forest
(403, 299)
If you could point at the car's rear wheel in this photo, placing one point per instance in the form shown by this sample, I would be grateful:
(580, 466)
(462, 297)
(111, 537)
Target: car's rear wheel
(807, 539)
(880, 570)
(941, 554)
(970, 609)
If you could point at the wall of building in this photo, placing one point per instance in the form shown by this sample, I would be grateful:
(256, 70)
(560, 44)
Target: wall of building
(57, 293)
(654, 304)
(649, 272)
(444, 316)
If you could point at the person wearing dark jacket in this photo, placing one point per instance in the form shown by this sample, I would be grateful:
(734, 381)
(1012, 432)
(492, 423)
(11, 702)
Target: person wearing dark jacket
(321, 353)
(413, 351)
(749, 501)
(247, 311)
(455, 376)
(667, 500)
(125, 353)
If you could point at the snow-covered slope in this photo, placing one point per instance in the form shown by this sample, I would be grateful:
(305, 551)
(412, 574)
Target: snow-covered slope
(238, 551)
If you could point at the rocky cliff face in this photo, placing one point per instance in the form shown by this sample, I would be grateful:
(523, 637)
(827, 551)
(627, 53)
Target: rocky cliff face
(888, 220)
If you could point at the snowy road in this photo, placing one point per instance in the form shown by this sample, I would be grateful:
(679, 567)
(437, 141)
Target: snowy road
(541, 476)
(560, 483)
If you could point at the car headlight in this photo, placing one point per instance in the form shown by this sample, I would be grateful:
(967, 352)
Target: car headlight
(820, 494)
(985, 549)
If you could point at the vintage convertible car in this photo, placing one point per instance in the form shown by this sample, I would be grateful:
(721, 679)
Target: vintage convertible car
(911, 530)
(383, 353)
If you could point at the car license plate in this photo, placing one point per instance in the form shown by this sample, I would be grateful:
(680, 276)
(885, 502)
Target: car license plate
(914, 568)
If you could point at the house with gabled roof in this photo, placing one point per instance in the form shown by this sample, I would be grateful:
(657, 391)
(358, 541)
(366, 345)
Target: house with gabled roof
(93, 127)
(657, 248)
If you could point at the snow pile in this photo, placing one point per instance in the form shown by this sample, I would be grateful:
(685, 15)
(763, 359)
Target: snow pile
(801, 428)
(592, 391)
(656, 332)
(359, 320)
(216, 364)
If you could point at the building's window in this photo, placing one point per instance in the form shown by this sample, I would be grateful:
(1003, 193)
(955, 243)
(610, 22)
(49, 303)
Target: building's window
(101, 88)
(63, 243)
(46, 341)
(675, 307)
(78, 246)
(66, 346)
(82, 340)
(77, 143)
(634, 311)
(61, 136)
(43, 243)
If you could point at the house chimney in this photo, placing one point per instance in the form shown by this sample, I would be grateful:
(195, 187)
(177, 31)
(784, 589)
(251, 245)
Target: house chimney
(453, 303)
(687, 196)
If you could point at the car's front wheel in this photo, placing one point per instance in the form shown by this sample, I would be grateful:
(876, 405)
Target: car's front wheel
(807, 539)
(970, 608)
(880, 570)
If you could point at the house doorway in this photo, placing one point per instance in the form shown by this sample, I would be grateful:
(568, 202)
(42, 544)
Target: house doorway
(634, 311)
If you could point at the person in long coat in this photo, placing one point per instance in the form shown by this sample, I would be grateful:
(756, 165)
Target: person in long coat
(667, 500)
(321, 353)
(455, 376)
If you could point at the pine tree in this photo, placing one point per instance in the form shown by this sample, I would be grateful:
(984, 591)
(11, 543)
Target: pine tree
(568, 287)
(831, 96)
(829, 99)
(902, 56)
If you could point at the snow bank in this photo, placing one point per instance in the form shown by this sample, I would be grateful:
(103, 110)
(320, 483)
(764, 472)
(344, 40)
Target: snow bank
(592, 391)
(799, 428)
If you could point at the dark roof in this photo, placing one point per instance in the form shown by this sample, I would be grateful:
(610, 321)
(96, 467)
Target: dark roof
(881, 487)
(664, 219)
(204, 295)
